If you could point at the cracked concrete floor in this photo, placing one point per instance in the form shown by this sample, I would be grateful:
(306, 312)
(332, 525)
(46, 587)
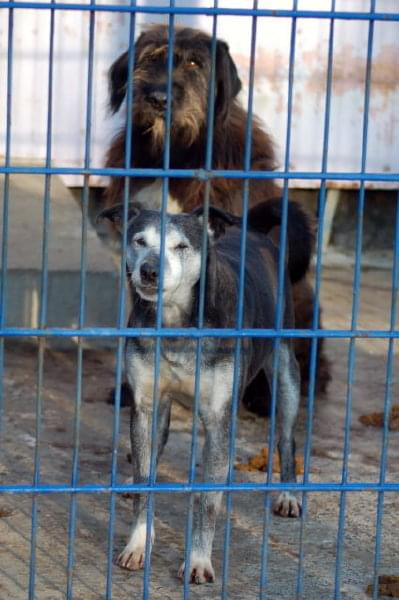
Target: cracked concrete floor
(320, 531)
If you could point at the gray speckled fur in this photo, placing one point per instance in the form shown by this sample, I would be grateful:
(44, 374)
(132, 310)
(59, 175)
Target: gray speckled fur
(177, 367)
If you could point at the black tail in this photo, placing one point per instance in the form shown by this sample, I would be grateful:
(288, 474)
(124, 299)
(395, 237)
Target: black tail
(268, 214)
(263, 218)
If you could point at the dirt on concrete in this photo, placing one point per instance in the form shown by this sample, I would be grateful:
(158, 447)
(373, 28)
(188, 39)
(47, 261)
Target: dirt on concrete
(248, 509)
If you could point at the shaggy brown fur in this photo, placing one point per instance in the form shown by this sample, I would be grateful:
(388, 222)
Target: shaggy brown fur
(190, 85)
(189, 121)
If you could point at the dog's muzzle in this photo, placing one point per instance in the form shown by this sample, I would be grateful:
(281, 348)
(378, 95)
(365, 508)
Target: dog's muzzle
(157, 99)
(149, 272)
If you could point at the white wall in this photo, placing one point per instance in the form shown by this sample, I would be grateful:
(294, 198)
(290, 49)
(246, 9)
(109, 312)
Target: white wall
(30, 81)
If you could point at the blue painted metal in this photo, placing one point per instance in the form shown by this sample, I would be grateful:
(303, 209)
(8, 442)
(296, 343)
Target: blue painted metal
(316, 307)
(201, 308)
(355, 313)
(81, 319)
(122, 303)
(120, 332)
(42, 317)
(196, 10)
(203, 174)
(279, 311)
(387, 405)
(157, 366)
(240, 309)
(93, 332)
(190, 488)
(6, 200)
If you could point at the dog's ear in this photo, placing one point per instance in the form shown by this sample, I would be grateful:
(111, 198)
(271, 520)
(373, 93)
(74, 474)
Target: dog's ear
(218, 219)
(228, 83)
(117, 81)
(115, 214)
(119, 72)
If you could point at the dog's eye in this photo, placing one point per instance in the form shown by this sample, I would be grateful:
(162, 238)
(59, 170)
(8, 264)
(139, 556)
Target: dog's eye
(192, 64)
(140, 241)
(181, 246)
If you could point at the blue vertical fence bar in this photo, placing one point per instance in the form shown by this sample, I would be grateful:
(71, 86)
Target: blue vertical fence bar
(82, 306)
(316, 305)
(387, 404)
(201, 308)
(355, 312)
(42, 317)
(157, 364)
(279, 310)
(240, 306)
(6, 199)
(122, 299)
(120, 332)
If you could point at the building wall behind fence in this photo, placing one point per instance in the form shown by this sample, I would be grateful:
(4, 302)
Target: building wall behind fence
(30, 76)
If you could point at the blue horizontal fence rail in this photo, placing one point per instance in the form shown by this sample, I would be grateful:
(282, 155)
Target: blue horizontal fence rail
(121, 332)
(203, 175)
(91, 332)
(197, 487)
(196, 10)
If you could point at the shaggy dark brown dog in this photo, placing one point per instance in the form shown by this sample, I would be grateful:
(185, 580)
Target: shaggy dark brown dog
(191, 75)
(190, 90)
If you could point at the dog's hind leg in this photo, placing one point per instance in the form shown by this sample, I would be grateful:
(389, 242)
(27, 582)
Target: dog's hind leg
(257, 395)
(286, 504)
(133, 555)
(215, 417)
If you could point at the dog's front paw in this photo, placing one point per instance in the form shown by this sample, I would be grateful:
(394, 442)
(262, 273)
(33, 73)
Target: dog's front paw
(133, 560)
(201, 570)
(132, 556)
(287, 505)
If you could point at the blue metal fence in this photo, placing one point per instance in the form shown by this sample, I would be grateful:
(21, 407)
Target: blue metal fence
(37, 487)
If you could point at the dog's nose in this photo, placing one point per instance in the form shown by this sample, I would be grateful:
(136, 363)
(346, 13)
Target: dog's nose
(149, 272)
(157, 98)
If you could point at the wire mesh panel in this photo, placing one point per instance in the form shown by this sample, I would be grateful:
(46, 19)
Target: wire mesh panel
(277, 558)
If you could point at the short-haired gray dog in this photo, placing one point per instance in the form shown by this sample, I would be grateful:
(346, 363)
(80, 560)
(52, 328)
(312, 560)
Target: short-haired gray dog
(183, 240)
(191, 76)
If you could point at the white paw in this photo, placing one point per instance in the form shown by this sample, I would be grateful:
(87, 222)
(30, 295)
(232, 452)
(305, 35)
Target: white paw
(132, 556)
(133, 560)
(287, 505)
(201, 570)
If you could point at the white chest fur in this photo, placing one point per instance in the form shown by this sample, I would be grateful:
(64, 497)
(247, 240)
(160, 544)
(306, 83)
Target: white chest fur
(150, 197)
(177, 378)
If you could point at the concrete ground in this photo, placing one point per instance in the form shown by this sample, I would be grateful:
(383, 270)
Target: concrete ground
(320, 532)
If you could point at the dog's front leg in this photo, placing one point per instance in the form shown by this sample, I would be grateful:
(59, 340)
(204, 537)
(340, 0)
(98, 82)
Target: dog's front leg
(133, 555)
(287, 504)
(215, 459)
